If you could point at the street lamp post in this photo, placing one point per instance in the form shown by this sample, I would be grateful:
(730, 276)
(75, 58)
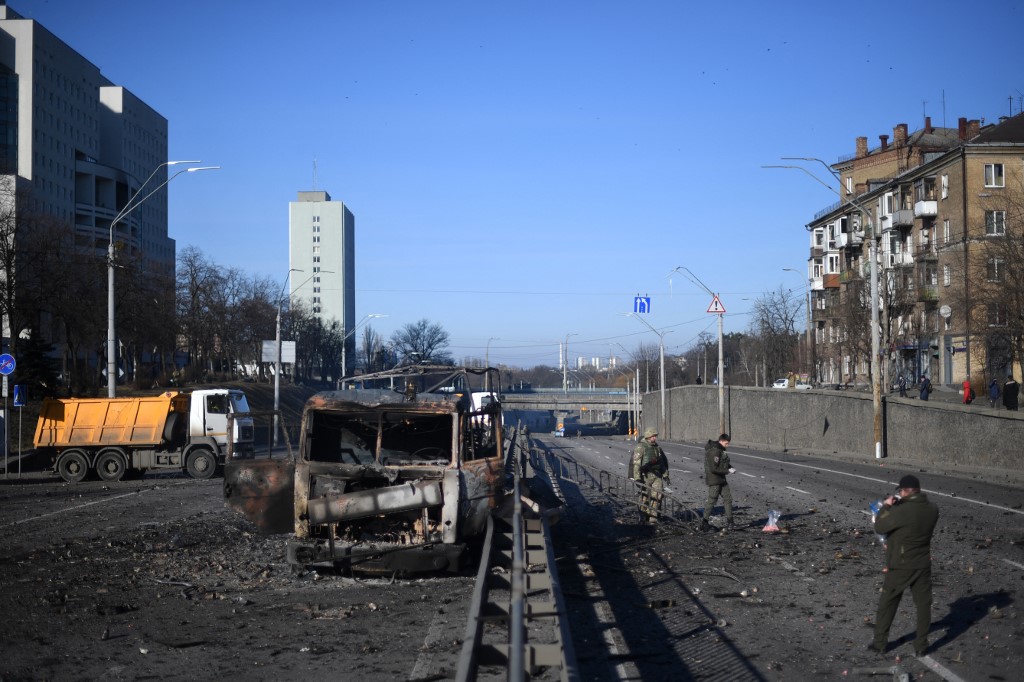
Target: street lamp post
(876, 379)
(277, 346)
(133, 203)
(721, 347)
(661, 359)
(811, 355)
(277, 356)
(344, 344)
(565, 363)
(487, 363)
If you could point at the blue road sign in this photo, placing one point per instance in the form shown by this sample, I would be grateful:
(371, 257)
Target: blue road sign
(642, 304)
(7, 363)
(19, 396)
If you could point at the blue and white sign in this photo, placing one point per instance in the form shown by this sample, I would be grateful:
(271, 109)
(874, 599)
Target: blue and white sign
(642, 304)
(7, 364)
(19, 396)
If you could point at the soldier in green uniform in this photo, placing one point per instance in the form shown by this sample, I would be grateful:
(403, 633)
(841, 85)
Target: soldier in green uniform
(907, 519)
(716, 468)
(649, 467)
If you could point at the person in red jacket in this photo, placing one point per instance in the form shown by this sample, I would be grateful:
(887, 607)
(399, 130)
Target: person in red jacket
(968, 393)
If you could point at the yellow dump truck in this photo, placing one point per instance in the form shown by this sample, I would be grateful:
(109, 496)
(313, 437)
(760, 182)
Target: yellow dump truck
(117, 436)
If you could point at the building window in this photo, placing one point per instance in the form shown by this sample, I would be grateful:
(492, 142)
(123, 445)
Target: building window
(819, 237)
(995, 223)
(924, 189)
(849, 185)
(994, 175)
(997, 315)
(817, 268)
(945, 186)
(316, 279)
(832, 265)
(994, 270)
(945, 231)
(316, 268)
(947, 278)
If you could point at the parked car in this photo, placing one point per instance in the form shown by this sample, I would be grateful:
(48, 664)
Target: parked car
(784, 383)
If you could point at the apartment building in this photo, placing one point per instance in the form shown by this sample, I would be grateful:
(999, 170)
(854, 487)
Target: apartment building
(74, 147)
(321, 253)
(944, 204)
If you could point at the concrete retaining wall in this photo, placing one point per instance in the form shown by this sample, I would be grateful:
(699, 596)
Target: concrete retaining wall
(839, 423)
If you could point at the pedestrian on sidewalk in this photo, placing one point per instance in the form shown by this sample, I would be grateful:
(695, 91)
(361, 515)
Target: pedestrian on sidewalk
(968, 391)
(993, 394)
(1010, 391)
(924, 388)
(901, 383)
(716, 468)
(907, 519)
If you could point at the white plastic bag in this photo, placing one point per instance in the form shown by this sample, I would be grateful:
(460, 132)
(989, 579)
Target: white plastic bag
(773, 522)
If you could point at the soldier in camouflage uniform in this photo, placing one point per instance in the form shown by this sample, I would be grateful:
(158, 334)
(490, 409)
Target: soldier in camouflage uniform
(649, 467)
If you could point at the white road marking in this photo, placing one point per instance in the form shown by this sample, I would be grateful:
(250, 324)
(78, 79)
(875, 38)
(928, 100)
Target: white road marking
(938, 669)
(797, 490)
(434, 634)
(1015, 564)
(874, 480)
(747, 475)
(88, 504)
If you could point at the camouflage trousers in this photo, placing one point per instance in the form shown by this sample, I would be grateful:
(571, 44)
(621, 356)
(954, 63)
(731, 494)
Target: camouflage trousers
(651, 493)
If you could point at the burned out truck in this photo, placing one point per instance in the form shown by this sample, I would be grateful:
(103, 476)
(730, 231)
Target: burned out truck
(383, 480)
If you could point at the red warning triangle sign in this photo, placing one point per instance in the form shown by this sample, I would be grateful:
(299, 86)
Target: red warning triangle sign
(716, 306)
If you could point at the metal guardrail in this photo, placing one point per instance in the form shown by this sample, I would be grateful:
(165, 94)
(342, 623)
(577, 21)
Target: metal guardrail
(673, 509)
(516, 583)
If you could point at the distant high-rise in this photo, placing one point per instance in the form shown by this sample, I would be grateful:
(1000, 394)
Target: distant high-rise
(321, 239)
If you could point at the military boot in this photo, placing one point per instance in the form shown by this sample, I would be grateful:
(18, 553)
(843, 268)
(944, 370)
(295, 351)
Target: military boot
(704, 525)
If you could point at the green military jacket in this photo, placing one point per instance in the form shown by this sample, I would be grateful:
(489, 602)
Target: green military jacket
(716, 463)
(908, 527)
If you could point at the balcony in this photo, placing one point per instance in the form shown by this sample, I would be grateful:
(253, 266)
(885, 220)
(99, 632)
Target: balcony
(831, 281)
(926, 208)
(904, 217)
(901, 259)
(928, 292)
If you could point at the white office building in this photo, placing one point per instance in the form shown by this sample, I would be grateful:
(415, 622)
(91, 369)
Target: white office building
(321, 239)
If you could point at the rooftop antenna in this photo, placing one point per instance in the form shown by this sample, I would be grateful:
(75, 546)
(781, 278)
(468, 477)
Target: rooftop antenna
(314, 174)
(943, 107)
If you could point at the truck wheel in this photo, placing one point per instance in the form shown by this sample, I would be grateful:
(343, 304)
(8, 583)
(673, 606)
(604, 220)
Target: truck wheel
(110, 465)
(201, 464)
(73, 466)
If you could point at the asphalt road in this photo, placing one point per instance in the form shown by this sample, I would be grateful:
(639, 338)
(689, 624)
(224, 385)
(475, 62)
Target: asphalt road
(812, 617)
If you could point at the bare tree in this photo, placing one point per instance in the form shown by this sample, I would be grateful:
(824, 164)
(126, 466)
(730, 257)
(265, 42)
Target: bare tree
(422, 341)
(372, 347)
(774, 323)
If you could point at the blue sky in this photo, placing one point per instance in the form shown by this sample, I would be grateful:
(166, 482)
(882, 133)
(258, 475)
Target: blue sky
(520, 171)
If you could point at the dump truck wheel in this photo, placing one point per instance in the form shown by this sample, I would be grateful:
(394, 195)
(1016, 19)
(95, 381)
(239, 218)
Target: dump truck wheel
(201, 464)
(73, 466)
(110, 465)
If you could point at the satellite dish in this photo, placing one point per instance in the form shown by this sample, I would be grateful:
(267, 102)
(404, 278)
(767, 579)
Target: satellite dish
(945, 311)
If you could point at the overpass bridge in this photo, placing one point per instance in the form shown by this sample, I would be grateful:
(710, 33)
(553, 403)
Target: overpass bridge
(571, 400)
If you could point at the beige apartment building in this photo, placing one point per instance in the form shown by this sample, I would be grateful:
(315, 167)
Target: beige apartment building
(946, 206)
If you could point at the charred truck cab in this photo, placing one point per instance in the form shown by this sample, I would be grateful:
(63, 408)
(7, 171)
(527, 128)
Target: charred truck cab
(384, 480)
